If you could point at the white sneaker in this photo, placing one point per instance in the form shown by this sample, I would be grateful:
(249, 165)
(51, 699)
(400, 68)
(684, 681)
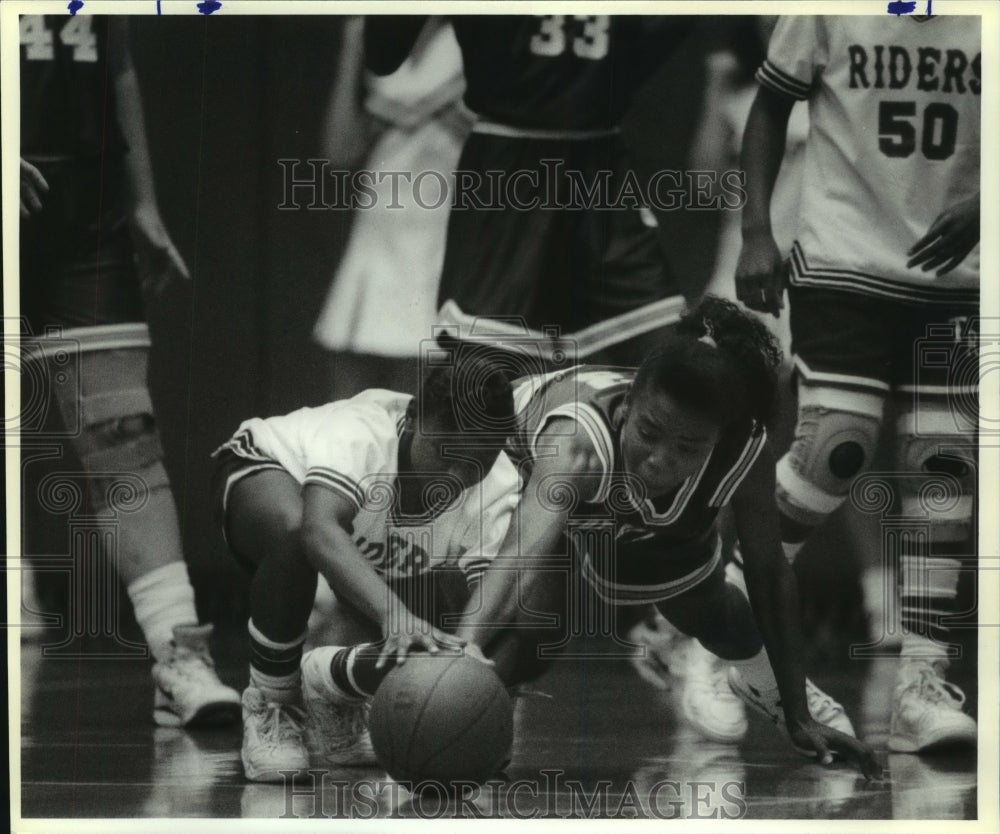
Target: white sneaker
(188, 691)
(272, 738)
(927, 711)
(336, 724)
(707, 702)
(822, 707)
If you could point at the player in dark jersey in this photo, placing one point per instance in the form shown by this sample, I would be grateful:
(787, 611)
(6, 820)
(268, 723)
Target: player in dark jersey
(645, 459)
(86, 194)
(549, 92)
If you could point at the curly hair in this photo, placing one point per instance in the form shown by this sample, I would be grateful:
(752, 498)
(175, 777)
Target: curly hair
(720, 360)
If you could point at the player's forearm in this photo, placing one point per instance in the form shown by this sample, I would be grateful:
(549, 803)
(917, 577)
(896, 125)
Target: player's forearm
(532, 535)
(774, 598)
(346, 127)
(490, 609)
(761, 156)
(331, 552)
(138, 168)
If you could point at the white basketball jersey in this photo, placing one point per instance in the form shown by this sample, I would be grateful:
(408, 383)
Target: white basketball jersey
(894, 110)
(352, 447)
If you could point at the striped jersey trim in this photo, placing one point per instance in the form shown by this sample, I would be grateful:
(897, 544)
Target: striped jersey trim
(489, 128)
(648, 512)
(734, 477)
(241, 444)
(837, 380)
(804, 275)
(774, 78)
(590, 420)
(580, 344)
(620, 593)
(940, 390)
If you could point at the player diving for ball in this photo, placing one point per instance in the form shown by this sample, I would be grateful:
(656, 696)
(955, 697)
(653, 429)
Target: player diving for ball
(883, 289)
(652, 455)
(395, 501)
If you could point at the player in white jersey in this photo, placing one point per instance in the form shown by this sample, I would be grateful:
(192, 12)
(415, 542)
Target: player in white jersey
(883, 289)
(396, 501)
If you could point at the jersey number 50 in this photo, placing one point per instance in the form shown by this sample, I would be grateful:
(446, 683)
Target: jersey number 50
(592, 42)
(897, 136)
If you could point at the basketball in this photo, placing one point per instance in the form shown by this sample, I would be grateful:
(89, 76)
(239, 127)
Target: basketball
(442, 717)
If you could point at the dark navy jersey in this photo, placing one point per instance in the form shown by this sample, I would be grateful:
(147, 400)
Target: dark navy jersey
(68, 103)
(560, 72)
(680, 524)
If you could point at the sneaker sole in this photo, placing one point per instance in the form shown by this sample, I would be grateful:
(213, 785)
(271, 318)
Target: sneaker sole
(732, 737)
(359, 760)
(270, 774)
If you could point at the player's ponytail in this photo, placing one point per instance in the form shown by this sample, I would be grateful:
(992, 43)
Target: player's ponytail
(719, 360)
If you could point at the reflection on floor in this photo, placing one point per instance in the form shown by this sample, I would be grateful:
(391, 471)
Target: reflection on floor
(605, 745)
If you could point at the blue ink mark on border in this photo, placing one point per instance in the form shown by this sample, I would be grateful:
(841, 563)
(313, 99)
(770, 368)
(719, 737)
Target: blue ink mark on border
(158, 9)
(75, 6)
(209, 6)
(901, 7)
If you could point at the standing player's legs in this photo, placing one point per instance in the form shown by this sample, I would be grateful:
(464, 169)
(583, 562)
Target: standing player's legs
(625, 268)
(261, 516)
(936, 454)
(78, 272)
(552, 250)
(501, 257)
(842, 351)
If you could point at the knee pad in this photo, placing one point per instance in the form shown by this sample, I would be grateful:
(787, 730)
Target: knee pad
(105, 404)
(938, 442)
(835, 439)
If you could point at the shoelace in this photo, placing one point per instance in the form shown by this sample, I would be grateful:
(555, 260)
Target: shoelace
(935, 689)
(344, 724)
(284, 723)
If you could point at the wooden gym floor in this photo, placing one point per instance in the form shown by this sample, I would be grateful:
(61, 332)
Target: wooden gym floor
(604, 744)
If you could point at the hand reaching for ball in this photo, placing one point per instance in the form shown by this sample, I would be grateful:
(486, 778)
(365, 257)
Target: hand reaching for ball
(407, 633)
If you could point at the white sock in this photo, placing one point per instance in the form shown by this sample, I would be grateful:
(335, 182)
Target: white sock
(757, 671)
(917, 647)
(162, 599)
(928, 589)
(319, 660)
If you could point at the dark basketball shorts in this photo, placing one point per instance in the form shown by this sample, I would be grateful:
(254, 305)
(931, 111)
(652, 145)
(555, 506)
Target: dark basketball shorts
(861, 341)
(567, 267)
(649, 572)
(77, 261)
